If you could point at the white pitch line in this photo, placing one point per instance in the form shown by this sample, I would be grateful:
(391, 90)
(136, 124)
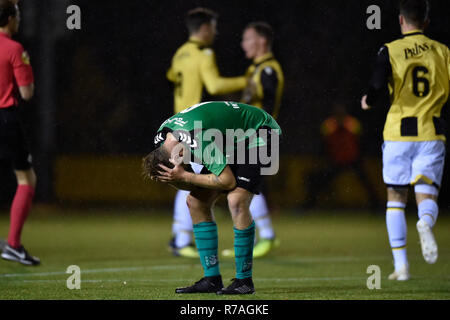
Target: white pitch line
(130, 281)
(339, 259)
(105, 270)
(103, 280)
(177, 266)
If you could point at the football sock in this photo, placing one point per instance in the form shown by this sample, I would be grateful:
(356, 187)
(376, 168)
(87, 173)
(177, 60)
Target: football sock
(260, 214)
(243, 251)
(428, 211)
(207, 242)
(396, 227)
(19, 211)
(182, 222)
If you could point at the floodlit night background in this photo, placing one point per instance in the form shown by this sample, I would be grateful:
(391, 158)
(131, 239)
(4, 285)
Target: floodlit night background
(102, 92)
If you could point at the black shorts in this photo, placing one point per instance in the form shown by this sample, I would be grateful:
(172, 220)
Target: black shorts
(248, 176)
(13, 145)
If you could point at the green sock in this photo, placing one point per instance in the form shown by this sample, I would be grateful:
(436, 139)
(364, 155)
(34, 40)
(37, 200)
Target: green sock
(207, 242)
(243, 251)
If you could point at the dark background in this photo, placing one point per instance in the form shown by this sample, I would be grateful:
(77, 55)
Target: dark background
(102, 89)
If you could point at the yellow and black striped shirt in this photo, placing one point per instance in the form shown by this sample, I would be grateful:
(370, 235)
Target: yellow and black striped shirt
(266, 88)
(416, 70)
(193, 69)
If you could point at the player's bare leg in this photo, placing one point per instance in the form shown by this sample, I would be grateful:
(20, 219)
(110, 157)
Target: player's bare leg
(239, 204)
(267, 239)
(397, 231)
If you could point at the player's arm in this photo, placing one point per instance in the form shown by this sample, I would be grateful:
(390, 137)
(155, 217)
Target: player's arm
(181, 178)
(23, 73)
(214, 83)
(27, 92)
(269, 82)
(223, 182)
(378, 85)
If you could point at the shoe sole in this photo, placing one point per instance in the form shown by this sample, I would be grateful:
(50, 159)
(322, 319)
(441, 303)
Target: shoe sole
(180, 292)
(12, 258)
(427, 242)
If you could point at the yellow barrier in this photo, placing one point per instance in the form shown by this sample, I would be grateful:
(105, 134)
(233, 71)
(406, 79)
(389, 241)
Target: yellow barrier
(106, 179)
(117, 179)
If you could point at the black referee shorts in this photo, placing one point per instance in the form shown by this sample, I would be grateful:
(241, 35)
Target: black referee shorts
(13, 145)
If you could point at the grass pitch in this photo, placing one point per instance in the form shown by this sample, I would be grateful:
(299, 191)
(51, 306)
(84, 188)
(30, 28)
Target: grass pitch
(123, 254)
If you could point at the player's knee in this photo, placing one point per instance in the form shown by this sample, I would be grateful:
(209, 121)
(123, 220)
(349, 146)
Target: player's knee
(397, 193)
(33, 179)
(195, 204)
(27, 177)
(190, 202)
(238, 204)
(425, 191)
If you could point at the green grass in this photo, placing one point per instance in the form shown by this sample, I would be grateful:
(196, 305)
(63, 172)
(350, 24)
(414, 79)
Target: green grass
(321, 256)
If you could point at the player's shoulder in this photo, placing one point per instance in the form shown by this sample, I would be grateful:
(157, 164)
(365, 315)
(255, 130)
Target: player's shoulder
(271, 67)
(195, 49)
(199, 47)
(207, 51)
(391, 47)
(384, 49)
(393, 42)
(400, 42)
(182, 48)
(439, 45)
(11, 45)
(271, 61)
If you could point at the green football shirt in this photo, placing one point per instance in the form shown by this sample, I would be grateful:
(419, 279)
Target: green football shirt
(210, 128)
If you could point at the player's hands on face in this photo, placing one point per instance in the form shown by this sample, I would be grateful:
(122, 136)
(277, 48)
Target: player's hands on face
(174, 175)
(364, 104)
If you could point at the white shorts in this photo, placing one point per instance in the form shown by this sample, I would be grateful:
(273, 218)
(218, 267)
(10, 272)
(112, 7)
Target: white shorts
(413, 163)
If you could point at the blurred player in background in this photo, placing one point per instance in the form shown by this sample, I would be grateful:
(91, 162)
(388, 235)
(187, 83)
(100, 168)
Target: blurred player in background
(341, 134)
(416, 70)
(16, 78)
(264, 90)
(193, 69)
